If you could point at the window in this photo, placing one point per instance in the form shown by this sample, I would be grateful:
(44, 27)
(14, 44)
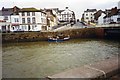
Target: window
(33, 27)
(6, 18)
(23, 20)
(91, 17)
(28, 13)
(87, 18)
(28, 20)
(33, 13)
(91, 14)
(42, 20)
(70, 16)
(64, 15)
(86, 14)
(118, 19)
(33, 20)
(13, 28)
(23, 14)
(16, 20)
(22, 27)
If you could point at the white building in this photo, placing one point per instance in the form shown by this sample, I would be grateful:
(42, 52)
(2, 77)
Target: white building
(66, 15)
(98, 16)
(15, 20)
(116, 17)
(88, 15)
(112, 16)
(119, 5)
(32, 19)
(10, 19)
(100, 19)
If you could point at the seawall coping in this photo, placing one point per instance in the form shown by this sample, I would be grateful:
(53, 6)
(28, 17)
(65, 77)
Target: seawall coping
(103, 69)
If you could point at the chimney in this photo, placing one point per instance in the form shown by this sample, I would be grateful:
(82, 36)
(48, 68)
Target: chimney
(66, 7)
(115, 7)
(2, 8)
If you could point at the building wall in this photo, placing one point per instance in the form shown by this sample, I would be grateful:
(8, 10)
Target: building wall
(43, 19)
(119, 5)
(15, 20)
(114, 18)
(89, 16)
(111, 19)
(7, 18)
(40, 19)
(1, 17)
(100, 19)
(66, 15)
(107, 20)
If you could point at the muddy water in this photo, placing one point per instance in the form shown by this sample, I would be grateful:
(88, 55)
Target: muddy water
(41, 59)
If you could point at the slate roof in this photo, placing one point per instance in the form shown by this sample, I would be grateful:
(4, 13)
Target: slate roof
(90, 10)
(111, 12)
(98, 14)
(29, 10)
(10, 11)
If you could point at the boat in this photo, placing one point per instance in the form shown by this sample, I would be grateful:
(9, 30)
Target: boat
(58, 39)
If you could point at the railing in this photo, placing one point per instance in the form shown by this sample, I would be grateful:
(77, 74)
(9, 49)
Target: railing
(108, 25)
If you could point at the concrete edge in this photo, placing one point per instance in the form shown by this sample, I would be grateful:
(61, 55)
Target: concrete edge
(102, 69)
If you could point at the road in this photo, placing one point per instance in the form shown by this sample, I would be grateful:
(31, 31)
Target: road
(66, 27)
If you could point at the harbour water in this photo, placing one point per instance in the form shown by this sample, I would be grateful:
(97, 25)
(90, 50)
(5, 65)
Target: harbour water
(41, 59)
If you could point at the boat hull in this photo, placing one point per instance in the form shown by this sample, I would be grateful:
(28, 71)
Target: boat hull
(58, 40)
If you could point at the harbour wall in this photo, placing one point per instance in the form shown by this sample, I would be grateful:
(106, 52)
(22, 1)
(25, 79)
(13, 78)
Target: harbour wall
(42, 36)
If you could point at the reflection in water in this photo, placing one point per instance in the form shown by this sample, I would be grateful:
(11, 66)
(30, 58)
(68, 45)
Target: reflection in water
(40, 59)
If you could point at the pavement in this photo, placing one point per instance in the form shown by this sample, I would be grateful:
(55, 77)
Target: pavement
(102, 69)
(78, 25)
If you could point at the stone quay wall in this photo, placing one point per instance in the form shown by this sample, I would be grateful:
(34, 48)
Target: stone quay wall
(42, 36)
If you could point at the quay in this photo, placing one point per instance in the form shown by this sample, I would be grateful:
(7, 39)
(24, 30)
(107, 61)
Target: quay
(105, 69)
(100, 32)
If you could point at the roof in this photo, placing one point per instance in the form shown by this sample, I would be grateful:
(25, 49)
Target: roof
(10, 11)
(98, 14)
(6, 9)
(61, 11)
(111, 12)
(90, 10)
(50, 12)
(65, 9)
(32, 9)
(29, 10)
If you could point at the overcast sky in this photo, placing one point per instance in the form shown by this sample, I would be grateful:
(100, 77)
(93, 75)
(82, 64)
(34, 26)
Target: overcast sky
(78, 6)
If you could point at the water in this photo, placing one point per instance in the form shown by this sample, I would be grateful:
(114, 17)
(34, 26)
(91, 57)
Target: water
(41, 59)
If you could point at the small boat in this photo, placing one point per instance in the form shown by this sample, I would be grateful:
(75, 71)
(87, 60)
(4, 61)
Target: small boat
(58, 39)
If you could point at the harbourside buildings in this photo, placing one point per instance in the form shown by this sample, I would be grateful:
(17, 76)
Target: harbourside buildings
(109, 16)
(98, 17)
(63, 16)
(112, 16)
(66, 15)
(119, 5)
(9, 19)
(88, 15)
(32, 19)
(51, 18)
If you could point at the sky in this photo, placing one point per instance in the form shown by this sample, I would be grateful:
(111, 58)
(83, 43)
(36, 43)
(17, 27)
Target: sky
(78, 6)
